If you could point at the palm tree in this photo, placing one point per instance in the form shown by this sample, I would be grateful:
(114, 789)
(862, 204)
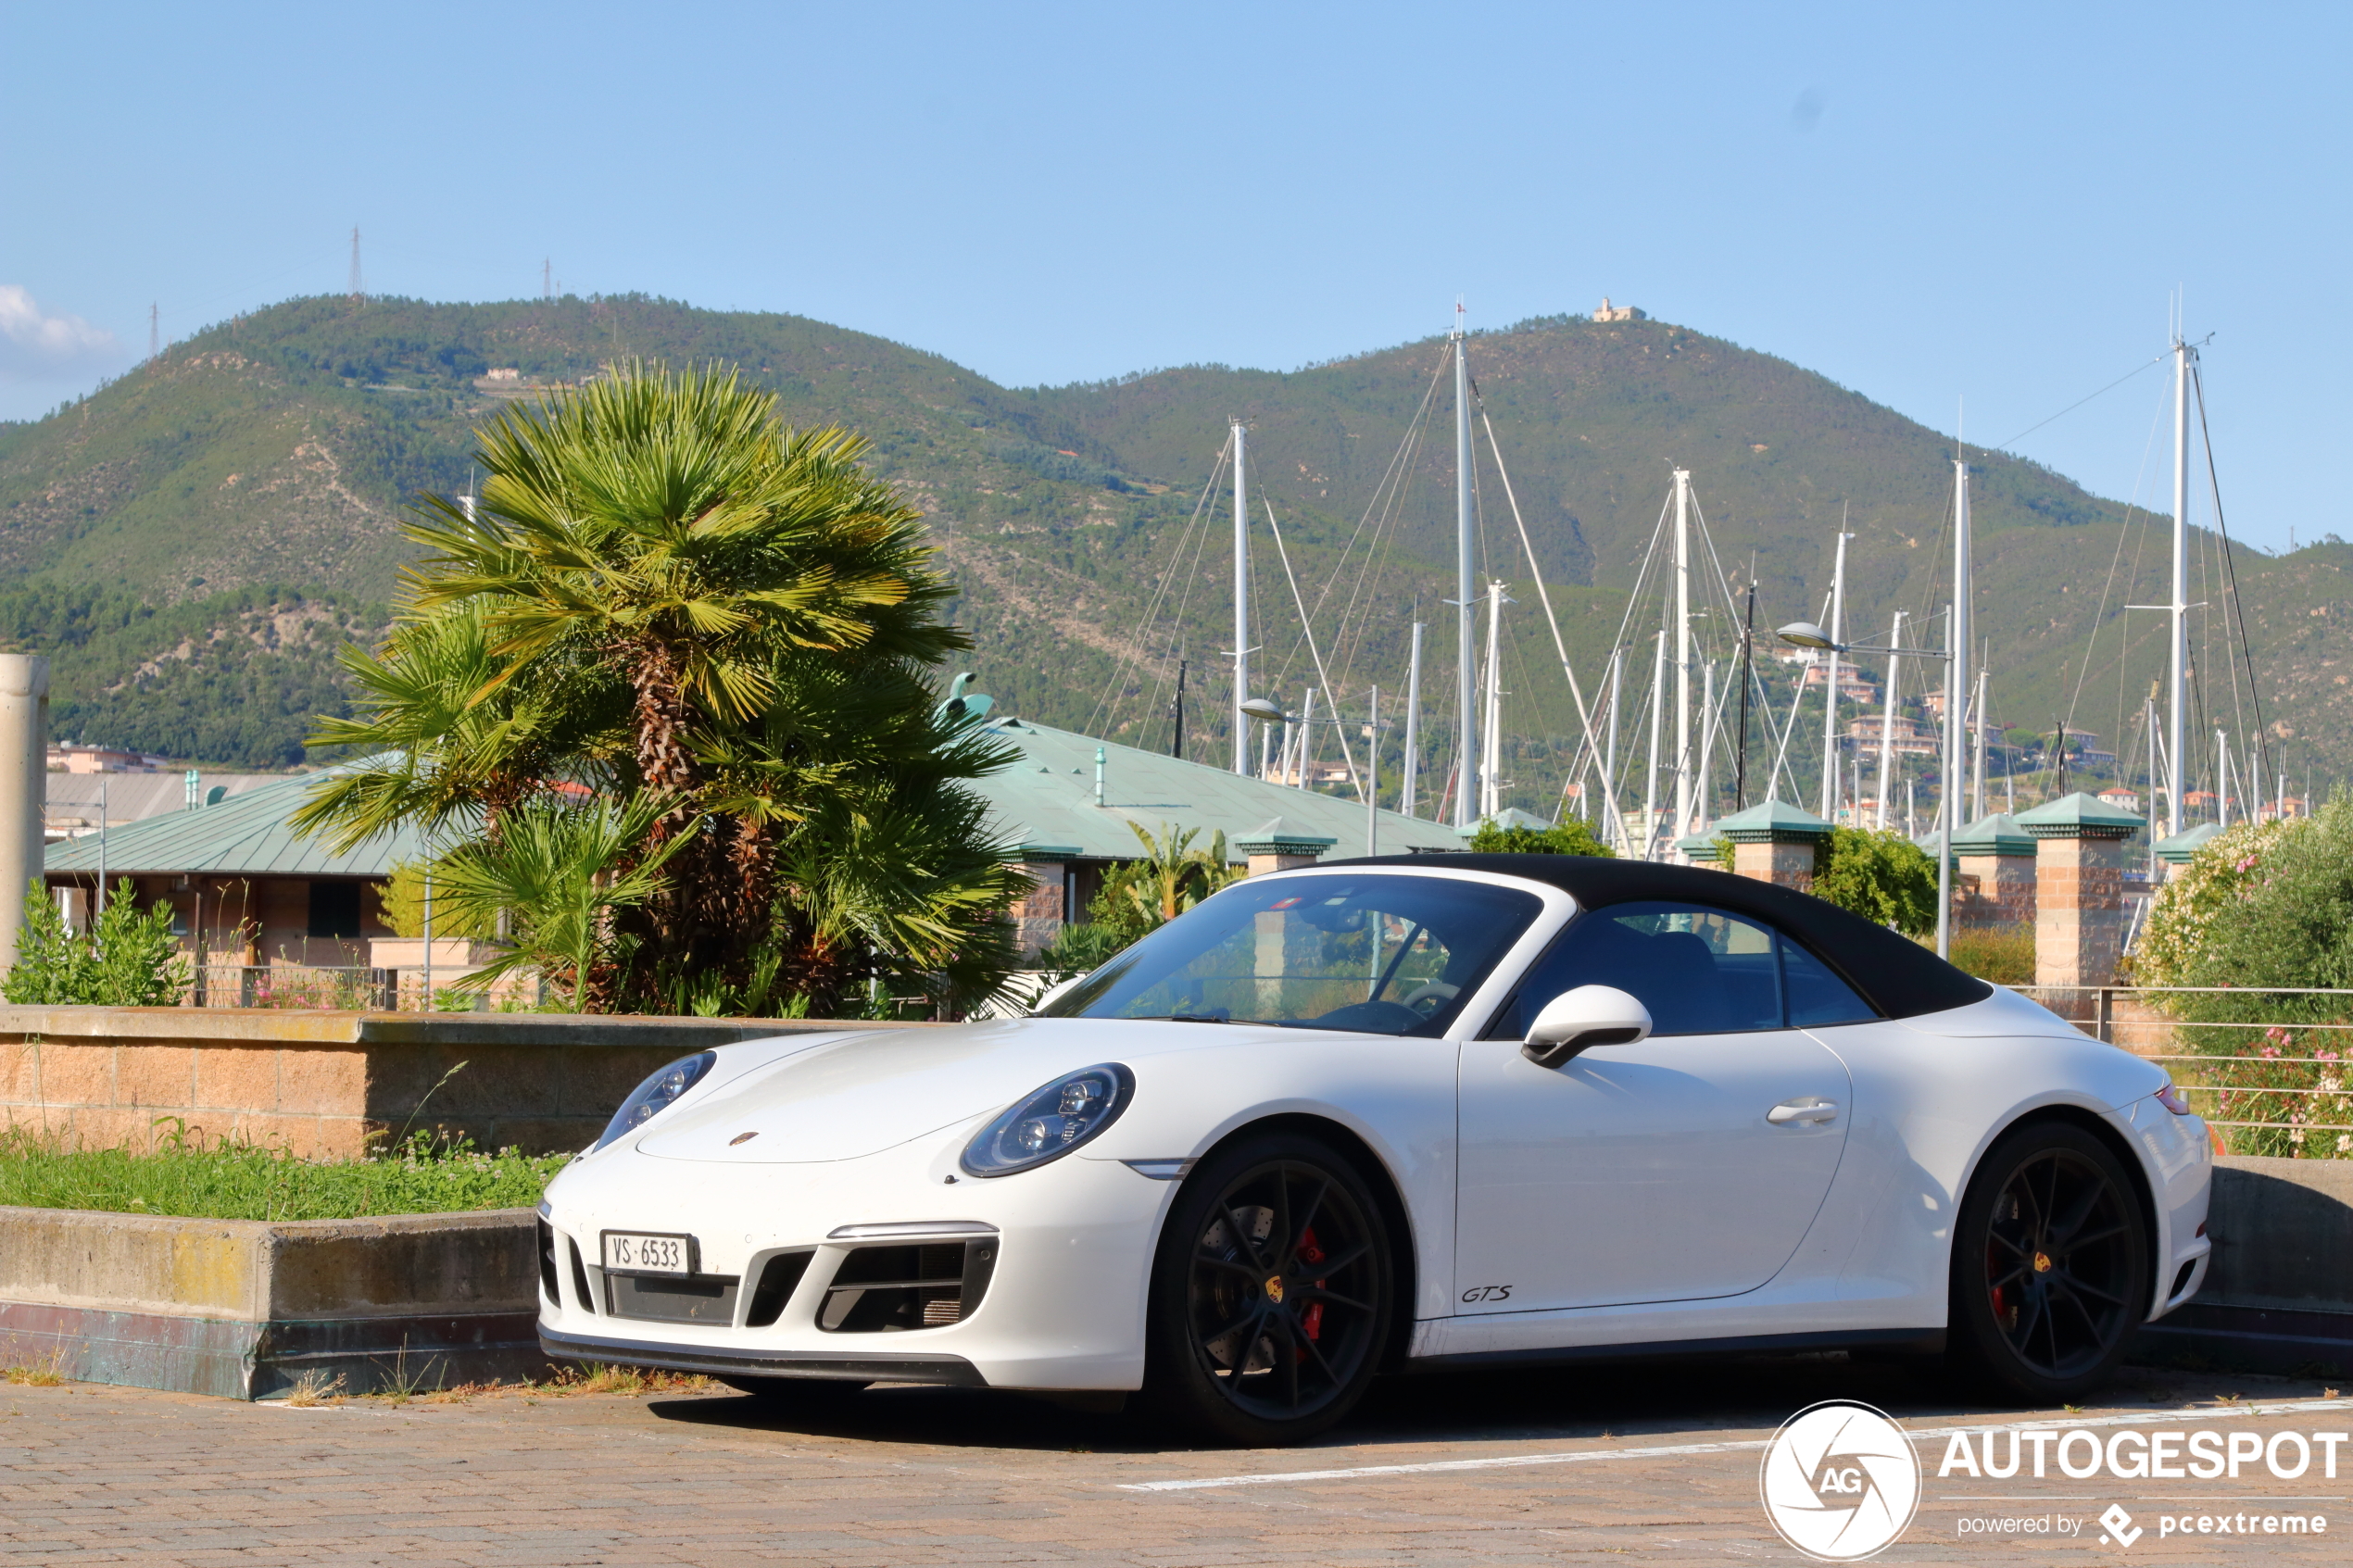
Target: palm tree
(665, 594)
(1173, 876)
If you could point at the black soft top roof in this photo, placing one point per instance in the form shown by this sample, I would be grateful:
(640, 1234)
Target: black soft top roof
(1897, 975)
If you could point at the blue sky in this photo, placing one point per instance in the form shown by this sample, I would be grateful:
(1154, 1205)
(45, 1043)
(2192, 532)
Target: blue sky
(1986, 204)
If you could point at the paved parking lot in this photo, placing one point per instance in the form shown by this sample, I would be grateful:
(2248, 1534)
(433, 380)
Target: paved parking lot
(1646, 1464)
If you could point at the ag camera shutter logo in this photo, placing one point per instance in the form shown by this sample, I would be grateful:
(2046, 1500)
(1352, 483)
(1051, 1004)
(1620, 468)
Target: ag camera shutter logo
(1840, 1481)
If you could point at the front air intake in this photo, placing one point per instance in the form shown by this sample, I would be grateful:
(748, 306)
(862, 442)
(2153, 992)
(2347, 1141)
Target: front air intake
(894, 1289)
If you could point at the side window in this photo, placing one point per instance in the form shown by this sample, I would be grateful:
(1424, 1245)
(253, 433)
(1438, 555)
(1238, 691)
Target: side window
(1700, 971)
(1817, 997)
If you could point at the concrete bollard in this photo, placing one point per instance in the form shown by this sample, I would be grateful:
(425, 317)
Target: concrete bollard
(24, 787)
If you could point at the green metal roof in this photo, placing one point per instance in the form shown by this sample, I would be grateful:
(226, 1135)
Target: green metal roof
(1047, 798)
(246, 834)
(1995, 835)
(2078, 816)
(1045, 802)
(1773, 821)
(2180, 849)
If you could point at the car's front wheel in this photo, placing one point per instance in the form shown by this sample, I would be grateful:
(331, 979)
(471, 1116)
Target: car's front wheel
(2050, 1265)
(1272, 1292)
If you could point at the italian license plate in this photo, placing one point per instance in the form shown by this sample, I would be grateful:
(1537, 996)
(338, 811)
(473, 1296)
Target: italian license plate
(639, 1253)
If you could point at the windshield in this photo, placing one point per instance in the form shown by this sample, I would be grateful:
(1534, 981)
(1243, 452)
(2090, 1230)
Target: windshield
(1373, 954)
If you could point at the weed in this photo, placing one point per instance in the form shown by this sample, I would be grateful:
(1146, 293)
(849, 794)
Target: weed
(315, 1388)
(403, 1384)
(39, 1374)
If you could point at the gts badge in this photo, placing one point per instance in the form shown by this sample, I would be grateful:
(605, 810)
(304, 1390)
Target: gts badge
(1488, 1293)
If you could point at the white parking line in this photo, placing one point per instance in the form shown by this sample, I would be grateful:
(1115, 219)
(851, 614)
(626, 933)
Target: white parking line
(1586, 1456)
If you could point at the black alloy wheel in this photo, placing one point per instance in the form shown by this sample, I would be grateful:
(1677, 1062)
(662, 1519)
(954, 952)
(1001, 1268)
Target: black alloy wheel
(1271, 1294)
(2050, 1264)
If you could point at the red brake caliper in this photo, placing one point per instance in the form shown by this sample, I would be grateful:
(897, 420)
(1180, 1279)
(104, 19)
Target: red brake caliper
(1312, 1320)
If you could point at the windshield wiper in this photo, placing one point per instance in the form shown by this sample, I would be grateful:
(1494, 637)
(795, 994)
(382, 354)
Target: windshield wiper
(1194, 1018)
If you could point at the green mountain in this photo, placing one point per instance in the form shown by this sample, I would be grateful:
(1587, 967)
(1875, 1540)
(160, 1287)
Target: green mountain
(192, 539)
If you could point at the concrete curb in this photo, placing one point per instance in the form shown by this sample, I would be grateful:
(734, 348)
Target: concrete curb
(244, 1309)
(2278, 1296)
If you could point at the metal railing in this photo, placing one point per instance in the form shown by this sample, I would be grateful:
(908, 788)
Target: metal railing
(2262, 1099)
(345, 988)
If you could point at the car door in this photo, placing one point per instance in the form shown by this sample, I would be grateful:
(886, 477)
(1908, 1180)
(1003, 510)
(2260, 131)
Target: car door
(1685, 1166)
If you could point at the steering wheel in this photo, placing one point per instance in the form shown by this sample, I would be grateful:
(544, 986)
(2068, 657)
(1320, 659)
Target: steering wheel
(1427, 1000)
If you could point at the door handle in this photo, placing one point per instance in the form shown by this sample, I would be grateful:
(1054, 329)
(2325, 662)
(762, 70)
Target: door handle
(1811, 1110)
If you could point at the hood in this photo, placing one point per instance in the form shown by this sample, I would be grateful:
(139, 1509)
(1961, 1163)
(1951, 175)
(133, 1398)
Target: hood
(869, 1092)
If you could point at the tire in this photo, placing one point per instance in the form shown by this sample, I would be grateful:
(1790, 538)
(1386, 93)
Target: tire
(794, 1393)
(1272, 1292)
(2050, 1266)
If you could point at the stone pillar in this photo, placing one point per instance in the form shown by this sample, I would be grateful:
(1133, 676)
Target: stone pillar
(1275, 847)
(2079, 893)
(1044, 911)
(24, 787)
(1775, 843)
(1997, 859)
(2177, 852)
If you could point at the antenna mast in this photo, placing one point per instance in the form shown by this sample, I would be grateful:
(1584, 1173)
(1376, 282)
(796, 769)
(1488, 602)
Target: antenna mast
(1466, 655)
(154, 343)
(358, 289)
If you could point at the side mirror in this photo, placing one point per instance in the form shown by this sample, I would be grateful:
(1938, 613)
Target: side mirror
(1579, 1020)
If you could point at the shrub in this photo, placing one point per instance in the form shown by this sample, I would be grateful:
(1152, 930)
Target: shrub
(1883, 877)
(2187, 904)
(126, 959)
(2004, 955)
(1567, 836)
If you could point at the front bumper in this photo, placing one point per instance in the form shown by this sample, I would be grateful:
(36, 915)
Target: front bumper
(1062, 1308)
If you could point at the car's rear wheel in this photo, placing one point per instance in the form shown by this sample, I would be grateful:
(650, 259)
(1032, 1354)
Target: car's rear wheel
(2050, 1265)
(1272, 1292)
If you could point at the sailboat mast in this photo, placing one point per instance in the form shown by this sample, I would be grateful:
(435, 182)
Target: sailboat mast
(1491, 787)
(1706, 748)
(2178, 634)
(1830, 702)
(2222, 777)
(1977, 771)
(1887, 723)
(1682, 652)
(1617, 827)
(1957, 637)
(1241, 599)
(1465, 649)
(1412, 724)
(1650, 785)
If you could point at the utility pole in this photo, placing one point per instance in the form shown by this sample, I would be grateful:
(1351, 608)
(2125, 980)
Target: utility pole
(1466, 665)
(1830, 702)
(1241, 595)
(1413, 725)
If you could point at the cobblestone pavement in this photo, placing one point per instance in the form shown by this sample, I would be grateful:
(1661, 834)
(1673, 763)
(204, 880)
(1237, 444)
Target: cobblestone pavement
(1558, 1466)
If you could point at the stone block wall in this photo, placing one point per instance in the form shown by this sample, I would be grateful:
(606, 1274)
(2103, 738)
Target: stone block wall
(325, 1085)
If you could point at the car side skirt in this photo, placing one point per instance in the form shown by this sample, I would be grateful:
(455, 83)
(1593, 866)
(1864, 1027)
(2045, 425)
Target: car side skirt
(953, 1371)
(1897, 1341)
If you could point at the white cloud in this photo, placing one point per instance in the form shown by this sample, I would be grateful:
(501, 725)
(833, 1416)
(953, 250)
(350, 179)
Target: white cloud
(34, 346)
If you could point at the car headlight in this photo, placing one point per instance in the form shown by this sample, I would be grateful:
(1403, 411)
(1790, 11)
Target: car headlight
(1052, 1121)
(654, 1094)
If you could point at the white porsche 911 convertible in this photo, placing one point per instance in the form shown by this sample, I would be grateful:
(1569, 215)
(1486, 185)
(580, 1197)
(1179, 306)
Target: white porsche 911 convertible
(1400, 1114)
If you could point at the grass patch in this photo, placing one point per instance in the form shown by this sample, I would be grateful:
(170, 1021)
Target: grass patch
(2004, 956)
(426, 1173)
